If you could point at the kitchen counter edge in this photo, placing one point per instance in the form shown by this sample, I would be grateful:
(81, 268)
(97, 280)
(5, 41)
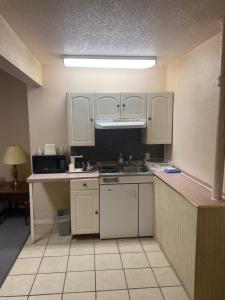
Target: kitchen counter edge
(195, 192)
(53, 177)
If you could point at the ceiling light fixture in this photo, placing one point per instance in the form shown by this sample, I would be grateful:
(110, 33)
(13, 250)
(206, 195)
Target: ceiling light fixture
(116, 62)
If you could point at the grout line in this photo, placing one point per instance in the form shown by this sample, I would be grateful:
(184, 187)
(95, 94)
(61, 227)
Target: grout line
(119, 253)
(153, 273)
(66, 268)
(95, 274)
(123, 269)
(40, 261)
(80, 271)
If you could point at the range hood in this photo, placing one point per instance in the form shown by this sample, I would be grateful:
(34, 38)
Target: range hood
(120, 124)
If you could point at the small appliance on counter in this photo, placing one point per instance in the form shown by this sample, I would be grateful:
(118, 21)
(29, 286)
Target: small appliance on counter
(77, 164)
(49, 149)
(43, 164)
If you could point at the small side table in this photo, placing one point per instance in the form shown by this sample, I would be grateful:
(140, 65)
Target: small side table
(18, 195)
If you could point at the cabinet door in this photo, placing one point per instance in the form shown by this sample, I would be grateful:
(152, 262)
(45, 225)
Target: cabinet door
(81, 119)
(159, 119)
(107, 106)
(146, 209)
(133, 105)
(84, 212)
(119, 211)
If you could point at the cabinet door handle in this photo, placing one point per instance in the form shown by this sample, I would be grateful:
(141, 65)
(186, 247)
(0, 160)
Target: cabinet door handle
(149, 118)
(118, 105)
(84, 184)
(91, 120)
(96, 212)
(124, 105)
(109, 190)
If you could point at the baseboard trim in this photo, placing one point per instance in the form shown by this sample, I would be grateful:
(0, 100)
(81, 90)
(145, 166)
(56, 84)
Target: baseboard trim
(44, 222)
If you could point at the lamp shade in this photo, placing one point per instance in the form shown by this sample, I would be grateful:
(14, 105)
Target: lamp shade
(14, 155)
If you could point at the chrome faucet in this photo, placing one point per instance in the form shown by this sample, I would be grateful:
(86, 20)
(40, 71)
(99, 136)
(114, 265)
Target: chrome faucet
(130, 160)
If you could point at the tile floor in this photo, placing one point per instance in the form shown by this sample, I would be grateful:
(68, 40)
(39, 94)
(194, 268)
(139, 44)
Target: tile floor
(61, 268)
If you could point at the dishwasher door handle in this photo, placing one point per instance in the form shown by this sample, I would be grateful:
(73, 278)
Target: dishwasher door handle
(109, 190)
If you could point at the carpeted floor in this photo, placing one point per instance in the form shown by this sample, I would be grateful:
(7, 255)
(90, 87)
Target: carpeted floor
(13, 235)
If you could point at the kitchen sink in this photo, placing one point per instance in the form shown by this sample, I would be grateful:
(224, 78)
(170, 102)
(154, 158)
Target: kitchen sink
(137, 167)
(142, 169)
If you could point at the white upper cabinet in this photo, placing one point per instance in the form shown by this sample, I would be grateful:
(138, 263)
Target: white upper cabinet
(133, 105)
(159, 119)
(107, 105)
(81, 119)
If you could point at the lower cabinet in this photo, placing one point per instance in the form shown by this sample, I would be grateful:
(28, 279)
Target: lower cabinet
(146, 209)
(84, 211)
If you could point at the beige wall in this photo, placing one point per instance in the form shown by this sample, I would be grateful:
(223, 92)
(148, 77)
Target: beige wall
(16, 58)
(14, 127)
(193, 78)
(48, 118)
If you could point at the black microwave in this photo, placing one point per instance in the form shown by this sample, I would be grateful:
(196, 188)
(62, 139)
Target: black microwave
(49, 164)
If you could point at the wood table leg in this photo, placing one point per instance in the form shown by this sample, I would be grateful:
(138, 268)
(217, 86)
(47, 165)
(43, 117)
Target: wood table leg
(31, 213)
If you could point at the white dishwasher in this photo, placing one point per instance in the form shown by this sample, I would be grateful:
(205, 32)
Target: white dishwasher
(119, 206)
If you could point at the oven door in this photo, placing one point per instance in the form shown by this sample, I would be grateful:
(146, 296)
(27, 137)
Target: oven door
(118, 210)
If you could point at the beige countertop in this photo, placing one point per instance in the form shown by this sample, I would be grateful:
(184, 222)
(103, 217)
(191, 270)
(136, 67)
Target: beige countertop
(195, 192)
(60, 177)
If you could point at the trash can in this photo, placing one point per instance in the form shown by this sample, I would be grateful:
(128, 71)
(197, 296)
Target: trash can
(64, 222)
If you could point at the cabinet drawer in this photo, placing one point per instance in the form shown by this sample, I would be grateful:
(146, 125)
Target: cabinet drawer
(84, 184)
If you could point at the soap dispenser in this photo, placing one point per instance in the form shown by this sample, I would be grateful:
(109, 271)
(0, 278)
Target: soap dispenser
(121, 160)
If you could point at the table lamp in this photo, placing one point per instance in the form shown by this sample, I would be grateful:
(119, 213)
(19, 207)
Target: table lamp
(14, 155)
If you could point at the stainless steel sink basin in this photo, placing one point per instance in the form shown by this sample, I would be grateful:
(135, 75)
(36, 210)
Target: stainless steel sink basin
(133, 169)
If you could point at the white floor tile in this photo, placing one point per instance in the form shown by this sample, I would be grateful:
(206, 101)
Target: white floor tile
(174, 293)
(80, 282)
(32, 251)
(134, 260)
(46, 297)
(166, 276)
(140, 278)
(150, 244)
(55, 238)
(113, 295)
(25, 266)
(55, 228)
(111, 284)
(48, 284)
(108, 261)
(81, 263)
(130, 245)
(104, 247)
(14, 298)
(110, 280)
(40, 239)
(57, 250)
(146, 294)
(53, 264)
(79, 296)
(43, 228)
(82, 248)
(83, 240)
(157, 259)
(17, 285)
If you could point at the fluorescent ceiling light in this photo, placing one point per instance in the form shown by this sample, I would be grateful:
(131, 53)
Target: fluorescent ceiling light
(120, 62)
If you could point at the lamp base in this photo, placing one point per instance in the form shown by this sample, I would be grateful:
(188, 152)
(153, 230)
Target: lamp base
(15, 181)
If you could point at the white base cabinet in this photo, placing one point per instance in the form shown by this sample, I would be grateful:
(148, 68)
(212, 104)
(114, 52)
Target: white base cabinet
(146, 209)
(84, 205)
